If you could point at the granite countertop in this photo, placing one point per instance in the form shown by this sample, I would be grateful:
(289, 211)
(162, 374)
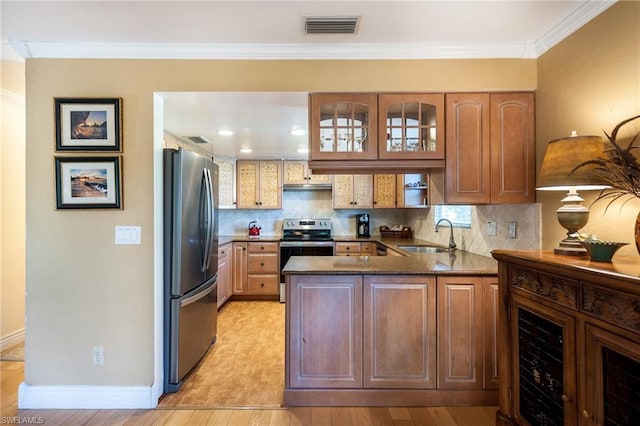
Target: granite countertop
(225, 239)
(449, 263)
(457, 262)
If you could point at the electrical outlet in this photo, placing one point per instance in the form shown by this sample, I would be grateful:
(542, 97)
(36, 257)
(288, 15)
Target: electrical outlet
(492, 228)
(98, 355)
(513, 226)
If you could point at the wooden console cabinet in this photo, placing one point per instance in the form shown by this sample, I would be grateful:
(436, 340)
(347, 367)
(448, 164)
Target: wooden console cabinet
(569, 340)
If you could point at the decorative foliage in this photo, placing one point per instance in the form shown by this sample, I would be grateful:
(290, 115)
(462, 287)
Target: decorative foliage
(618, 166)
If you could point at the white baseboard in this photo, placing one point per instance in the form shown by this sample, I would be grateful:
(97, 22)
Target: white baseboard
(86, 397)
(11, 339)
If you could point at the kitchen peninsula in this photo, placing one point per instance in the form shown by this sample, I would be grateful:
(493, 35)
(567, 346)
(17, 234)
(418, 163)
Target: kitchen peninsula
(416, 330)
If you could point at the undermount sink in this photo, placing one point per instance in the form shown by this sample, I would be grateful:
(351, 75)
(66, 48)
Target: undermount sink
(424, 249)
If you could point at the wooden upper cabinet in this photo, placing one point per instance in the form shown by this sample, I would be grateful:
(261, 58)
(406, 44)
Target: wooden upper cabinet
(513, 156)
(343, 126)
(490, 148)
(226, 182)
(385, 191)
(411, 126)
(352, 191)
(298, 173)
(468, 149)
(259, 184)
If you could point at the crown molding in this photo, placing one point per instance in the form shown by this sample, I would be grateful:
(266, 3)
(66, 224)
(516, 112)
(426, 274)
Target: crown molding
(34, 49)
(585, 13)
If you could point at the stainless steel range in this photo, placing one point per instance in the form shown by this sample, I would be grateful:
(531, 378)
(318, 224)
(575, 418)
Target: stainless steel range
(304, 237)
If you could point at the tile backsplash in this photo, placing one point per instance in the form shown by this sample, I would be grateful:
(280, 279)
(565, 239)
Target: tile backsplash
(318, 204)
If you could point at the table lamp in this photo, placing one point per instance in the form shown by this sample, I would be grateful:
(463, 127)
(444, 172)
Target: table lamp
(559, 173)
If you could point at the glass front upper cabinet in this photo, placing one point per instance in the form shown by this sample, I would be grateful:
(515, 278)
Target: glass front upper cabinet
(413, 125)
(343, 126)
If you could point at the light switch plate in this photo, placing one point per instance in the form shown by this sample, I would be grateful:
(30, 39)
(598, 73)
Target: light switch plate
(492, 228)
(513, 226)
(128, 235)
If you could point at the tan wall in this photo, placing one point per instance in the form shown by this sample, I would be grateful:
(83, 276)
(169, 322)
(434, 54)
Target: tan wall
(12, 201)
(590, 82)
(82, 289)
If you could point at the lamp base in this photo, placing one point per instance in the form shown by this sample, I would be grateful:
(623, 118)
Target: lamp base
(571, 246)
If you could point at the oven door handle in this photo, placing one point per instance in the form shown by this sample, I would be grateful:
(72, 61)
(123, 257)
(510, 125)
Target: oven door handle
(306, 243)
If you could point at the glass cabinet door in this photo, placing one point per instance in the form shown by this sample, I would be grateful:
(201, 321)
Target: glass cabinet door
(343, 126)
(413, 125)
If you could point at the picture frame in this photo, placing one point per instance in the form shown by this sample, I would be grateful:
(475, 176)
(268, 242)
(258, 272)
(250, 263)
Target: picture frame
(88, 124)
(88, 182)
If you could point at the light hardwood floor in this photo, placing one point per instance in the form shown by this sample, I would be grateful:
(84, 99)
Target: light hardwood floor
(250, 392)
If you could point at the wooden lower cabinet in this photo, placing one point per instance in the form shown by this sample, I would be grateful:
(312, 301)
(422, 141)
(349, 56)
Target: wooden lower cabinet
(263, 268)
(399, 316)
(569, 341)
(225, 284)
(324, 316)
(354, 248)
(372, 340)
(239, 268)
(467, 321)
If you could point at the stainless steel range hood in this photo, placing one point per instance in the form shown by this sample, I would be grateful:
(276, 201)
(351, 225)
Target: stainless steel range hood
(306, 187)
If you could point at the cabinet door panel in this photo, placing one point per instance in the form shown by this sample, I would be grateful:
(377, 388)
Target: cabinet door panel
(544, 357)
(239, 278)
(248, 184)
(612, 378)
(295, 172)
(399, 332)
(468, 170)
(325, 343)
(460, 333)
(411, 126)
(363, 191)
(490, 300)
(271, 184)
(343, 126)
(384, 191)
(512, 148)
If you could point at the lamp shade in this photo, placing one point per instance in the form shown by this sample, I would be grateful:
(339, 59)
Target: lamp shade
(561, 158)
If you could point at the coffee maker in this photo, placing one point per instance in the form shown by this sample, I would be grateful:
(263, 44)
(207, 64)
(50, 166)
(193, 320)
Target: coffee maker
(362, 225)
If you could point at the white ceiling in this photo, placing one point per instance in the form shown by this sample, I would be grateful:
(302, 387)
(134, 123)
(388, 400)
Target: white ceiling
(261, 29)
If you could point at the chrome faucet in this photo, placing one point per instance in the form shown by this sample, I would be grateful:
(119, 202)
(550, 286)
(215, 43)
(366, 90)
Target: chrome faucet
(452, 243)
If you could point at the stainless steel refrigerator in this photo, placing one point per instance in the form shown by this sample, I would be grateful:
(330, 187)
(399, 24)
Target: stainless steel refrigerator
(190, 262)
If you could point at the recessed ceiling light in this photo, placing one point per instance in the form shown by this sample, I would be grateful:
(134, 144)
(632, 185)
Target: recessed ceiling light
(246, 150)
(297, 132)
(224, 132)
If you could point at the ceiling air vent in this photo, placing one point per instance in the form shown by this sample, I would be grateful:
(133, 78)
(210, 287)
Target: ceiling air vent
(331, 25)
(198, 139)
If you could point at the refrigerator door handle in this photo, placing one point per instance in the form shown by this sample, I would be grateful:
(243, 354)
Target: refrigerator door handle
(210, 228)
(189, 300)
(205, 221)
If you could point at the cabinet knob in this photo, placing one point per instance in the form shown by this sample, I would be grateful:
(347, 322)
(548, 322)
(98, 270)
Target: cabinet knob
(565, 398)
(586, 414)
(261, 284)
(261, 263)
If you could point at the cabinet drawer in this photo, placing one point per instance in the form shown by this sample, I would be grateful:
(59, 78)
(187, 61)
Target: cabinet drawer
(367, 248)
(262, 263)
(224, 251)
(263, 247)
(263, 284)
(346, 248)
